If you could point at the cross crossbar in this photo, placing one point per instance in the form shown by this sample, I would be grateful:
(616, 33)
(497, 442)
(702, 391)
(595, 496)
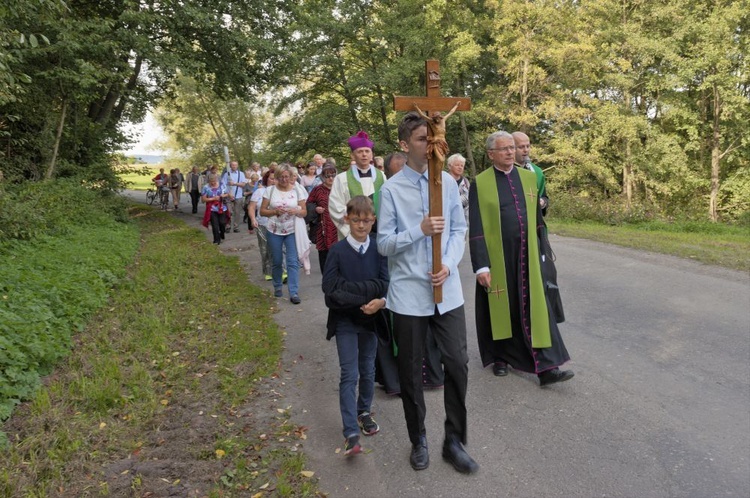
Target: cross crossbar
(430, 106)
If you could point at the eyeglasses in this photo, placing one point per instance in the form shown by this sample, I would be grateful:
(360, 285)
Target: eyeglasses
(361, 221)
(330, 175)
(508, 148)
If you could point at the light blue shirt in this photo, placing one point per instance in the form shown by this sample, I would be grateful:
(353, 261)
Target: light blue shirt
(404, 202)
(235, 176)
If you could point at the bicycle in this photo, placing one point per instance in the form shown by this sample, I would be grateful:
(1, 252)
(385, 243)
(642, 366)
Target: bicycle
(164, 197)
(151, 195)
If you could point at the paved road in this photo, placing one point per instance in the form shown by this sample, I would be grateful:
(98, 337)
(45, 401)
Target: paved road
(659, 407)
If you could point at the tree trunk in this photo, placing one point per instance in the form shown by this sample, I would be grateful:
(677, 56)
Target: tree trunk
(381, 95)
(465, 131)
(467, 144)
(348, 97)
(129, 87)
(58, 137)
(230, 138)
(715, 157)
(627, 176)
(105, 111)
(210, 119)
(524, 94)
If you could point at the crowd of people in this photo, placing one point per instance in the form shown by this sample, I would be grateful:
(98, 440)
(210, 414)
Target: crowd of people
(373, 233)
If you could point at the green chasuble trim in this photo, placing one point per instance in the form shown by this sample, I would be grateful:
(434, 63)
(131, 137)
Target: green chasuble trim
(489, 209)
(355, 188)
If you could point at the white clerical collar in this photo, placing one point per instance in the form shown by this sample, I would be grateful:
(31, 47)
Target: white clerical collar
(370, 169)
(504, 172)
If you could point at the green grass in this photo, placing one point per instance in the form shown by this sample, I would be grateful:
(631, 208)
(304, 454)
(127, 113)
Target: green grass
(168, 340)
(716, 244)
(140, 180)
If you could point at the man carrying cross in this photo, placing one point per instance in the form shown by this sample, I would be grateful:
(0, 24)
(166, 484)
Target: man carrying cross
(515, 323)
(405, 230)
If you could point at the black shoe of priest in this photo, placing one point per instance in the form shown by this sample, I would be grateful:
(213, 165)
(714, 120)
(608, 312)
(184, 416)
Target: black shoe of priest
(553, 376)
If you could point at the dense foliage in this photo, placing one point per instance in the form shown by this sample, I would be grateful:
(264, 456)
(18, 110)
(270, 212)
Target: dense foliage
(644, 104)
(71, 73)
(63, 248)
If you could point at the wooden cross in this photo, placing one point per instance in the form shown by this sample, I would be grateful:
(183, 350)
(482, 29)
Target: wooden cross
(432, 104)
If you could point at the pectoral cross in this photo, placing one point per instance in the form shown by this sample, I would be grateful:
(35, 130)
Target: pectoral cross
(532, 194)
(431, 105)
(496, 292)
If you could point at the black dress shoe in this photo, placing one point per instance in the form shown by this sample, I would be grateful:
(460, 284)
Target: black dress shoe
(420, 457)
(553, 376)
(500, 368)
(455, 454)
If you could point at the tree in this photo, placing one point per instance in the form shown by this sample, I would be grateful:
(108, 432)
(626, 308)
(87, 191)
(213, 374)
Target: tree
(715, 80)
(109, 62)
(200, 123)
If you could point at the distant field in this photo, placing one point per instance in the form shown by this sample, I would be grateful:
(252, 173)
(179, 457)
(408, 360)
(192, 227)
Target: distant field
(141, 181)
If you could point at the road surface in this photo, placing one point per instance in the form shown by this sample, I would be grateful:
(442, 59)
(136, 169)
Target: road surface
(659, 406)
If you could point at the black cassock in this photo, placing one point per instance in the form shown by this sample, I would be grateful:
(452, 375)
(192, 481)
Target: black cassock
(517, 350)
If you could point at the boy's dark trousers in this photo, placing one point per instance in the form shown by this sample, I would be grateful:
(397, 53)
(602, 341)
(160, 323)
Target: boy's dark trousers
(450, 334)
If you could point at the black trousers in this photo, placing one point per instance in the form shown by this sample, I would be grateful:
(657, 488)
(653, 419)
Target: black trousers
(195, 196)
(218, 225)
(449, 330)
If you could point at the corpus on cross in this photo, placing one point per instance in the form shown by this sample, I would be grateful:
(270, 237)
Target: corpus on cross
(430, 108)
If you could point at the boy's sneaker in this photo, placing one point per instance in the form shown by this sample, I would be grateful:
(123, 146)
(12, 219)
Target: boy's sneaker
(352, 446)
(367, 424)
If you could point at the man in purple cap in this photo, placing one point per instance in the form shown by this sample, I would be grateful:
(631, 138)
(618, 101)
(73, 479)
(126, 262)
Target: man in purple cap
(361, 179)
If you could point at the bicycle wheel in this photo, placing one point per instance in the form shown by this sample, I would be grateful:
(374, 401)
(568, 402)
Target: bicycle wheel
(150, 196)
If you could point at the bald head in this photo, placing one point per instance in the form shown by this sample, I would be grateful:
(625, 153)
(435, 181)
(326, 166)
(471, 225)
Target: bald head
(523, 147)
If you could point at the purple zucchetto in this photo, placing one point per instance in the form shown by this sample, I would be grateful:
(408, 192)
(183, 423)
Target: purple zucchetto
(361, 139)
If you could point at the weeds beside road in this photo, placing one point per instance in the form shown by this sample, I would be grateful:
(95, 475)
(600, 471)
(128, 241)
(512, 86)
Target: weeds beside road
(169, 390)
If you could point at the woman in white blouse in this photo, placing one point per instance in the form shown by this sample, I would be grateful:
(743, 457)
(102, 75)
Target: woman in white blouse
(281, 204)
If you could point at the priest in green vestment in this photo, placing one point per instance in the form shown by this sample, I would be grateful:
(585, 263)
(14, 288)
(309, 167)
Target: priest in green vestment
(515, 323)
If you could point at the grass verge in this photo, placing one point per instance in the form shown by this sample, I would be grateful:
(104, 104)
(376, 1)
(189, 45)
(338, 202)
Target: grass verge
(141, 180)
(716, 244)
(160, 395)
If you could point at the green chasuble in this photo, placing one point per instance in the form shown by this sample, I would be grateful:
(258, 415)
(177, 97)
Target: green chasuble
(489, 209)
(540, 180)
(355, 188)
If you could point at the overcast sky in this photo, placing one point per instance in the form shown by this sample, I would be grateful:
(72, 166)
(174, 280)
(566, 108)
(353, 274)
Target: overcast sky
(147, 133)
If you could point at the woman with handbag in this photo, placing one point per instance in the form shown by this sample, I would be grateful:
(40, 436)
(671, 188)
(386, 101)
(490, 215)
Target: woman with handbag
(281, 204)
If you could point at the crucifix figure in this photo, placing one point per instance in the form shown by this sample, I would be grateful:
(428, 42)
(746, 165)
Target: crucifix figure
(430, 108)
(437, 146)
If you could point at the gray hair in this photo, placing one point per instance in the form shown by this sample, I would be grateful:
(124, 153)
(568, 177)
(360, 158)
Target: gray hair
(286, 167)
(495, 136)
(454, 158)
